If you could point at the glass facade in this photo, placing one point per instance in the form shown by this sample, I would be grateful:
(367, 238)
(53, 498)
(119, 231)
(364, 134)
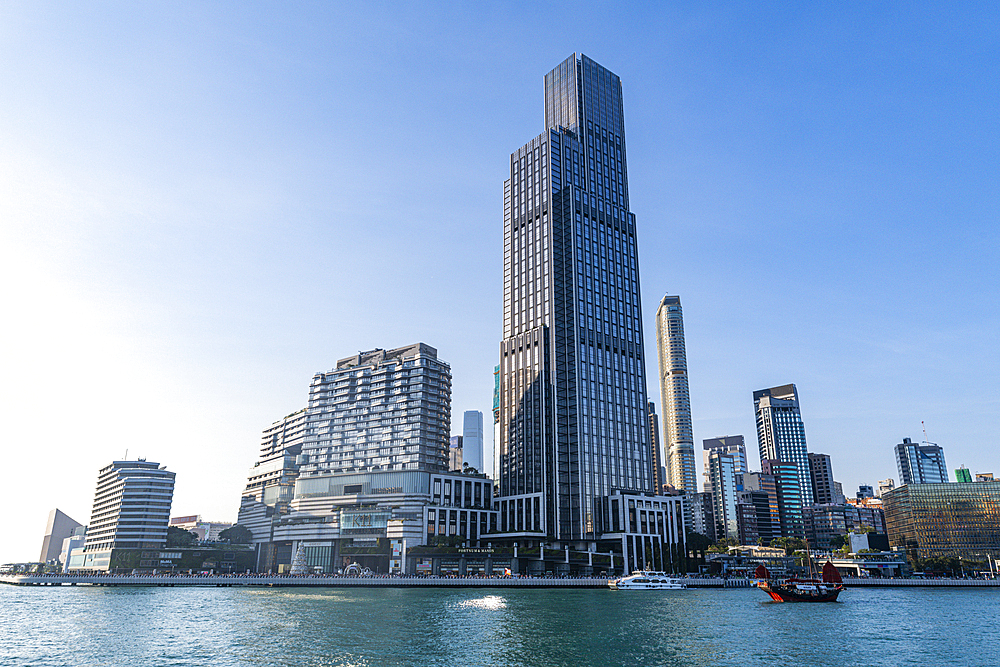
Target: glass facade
(946, 519)
(675, 396)
(781, 437)
(572, 400)
(920, 463)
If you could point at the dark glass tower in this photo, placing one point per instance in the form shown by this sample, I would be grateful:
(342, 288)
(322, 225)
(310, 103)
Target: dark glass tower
(573, 409)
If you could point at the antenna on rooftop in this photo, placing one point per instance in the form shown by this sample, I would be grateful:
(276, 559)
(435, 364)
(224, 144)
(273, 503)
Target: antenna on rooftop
(126, 454)
(925, 430)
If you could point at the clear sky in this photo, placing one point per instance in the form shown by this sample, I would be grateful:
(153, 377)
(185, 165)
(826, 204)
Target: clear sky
(203, 204)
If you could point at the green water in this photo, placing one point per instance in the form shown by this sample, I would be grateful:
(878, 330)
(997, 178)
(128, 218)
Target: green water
(331, 627)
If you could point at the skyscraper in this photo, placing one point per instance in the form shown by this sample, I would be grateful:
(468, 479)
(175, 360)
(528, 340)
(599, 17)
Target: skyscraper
(920, 463)
(654, 445)
(781, 436)
(472, 440)
(675, 396)
(821, 474)
(720, 473)
(573, 414)
(729, 444)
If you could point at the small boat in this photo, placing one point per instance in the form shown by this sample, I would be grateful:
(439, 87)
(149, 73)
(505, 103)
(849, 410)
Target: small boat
(646, 580)
(802, 590)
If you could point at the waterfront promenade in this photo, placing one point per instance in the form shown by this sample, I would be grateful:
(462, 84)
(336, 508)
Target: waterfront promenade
(318, 581)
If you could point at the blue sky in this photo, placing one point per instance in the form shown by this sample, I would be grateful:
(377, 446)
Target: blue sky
(203, 204)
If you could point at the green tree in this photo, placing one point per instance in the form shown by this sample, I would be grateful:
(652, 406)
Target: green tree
(789, 544)
(236, 534)
(178, 537)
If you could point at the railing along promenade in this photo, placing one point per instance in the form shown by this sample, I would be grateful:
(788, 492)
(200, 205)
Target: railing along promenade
(307, 581)
(376, 581)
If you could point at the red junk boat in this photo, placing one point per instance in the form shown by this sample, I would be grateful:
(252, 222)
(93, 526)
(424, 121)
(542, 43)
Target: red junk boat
(802, 590)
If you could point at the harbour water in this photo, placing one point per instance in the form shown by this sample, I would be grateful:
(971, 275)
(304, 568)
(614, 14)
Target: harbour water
(253, 627)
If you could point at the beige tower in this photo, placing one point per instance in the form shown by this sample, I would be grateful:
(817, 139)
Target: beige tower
(678, 440)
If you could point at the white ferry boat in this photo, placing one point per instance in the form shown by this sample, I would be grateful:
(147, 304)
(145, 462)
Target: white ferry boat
(646, 580)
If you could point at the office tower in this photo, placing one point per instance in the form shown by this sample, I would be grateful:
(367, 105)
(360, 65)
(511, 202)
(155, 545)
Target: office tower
(730, 444)
(887, 485)
(379, 410)
(720, 472)
(761, 491)
(920, 463)
(676, 399)
(654, 445)
(865, 492)
(131, 507)
(472, 440)
(701, 513)
(781, 437)
(838, 493)
(821, 474)
(791, 508)
(58, 528)
(953, 520)
(573, 406)
(455, 454)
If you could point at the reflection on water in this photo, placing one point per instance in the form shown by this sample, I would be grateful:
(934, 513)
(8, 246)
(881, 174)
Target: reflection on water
(488, 602)
(375, 627)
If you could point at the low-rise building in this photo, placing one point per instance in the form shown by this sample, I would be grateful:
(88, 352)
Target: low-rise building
(207, 531)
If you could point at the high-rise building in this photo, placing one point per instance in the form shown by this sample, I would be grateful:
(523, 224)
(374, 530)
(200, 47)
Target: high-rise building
(962, 474)
(865, 491)
(791, 508)
(675, 396)
(920, 463)
(271, 480)
(573, 406)
(730, 444)
(654, 444)
(781, 437)
(472, 440)
(761, 491)
(371, 473)
(379, 410)
(58, 528)
(455, 453)
(131, 507)
(720, 473)
(821, 474)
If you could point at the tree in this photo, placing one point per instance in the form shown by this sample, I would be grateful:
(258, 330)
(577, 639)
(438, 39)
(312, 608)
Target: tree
(236, 534)
(178, 537)
(789, 544)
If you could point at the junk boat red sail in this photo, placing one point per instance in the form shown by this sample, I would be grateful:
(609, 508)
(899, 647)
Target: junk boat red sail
(802, 590)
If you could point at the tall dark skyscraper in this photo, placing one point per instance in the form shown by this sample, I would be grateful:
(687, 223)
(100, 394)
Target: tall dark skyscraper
(573, 406)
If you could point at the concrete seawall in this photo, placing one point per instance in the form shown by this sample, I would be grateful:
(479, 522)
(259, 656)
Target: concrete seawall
(416, 582)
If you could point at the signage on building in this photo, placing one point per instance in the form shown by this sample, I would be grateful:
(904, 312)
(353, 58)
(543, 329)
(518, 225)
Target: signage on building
(364, 522)
(183, 519)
